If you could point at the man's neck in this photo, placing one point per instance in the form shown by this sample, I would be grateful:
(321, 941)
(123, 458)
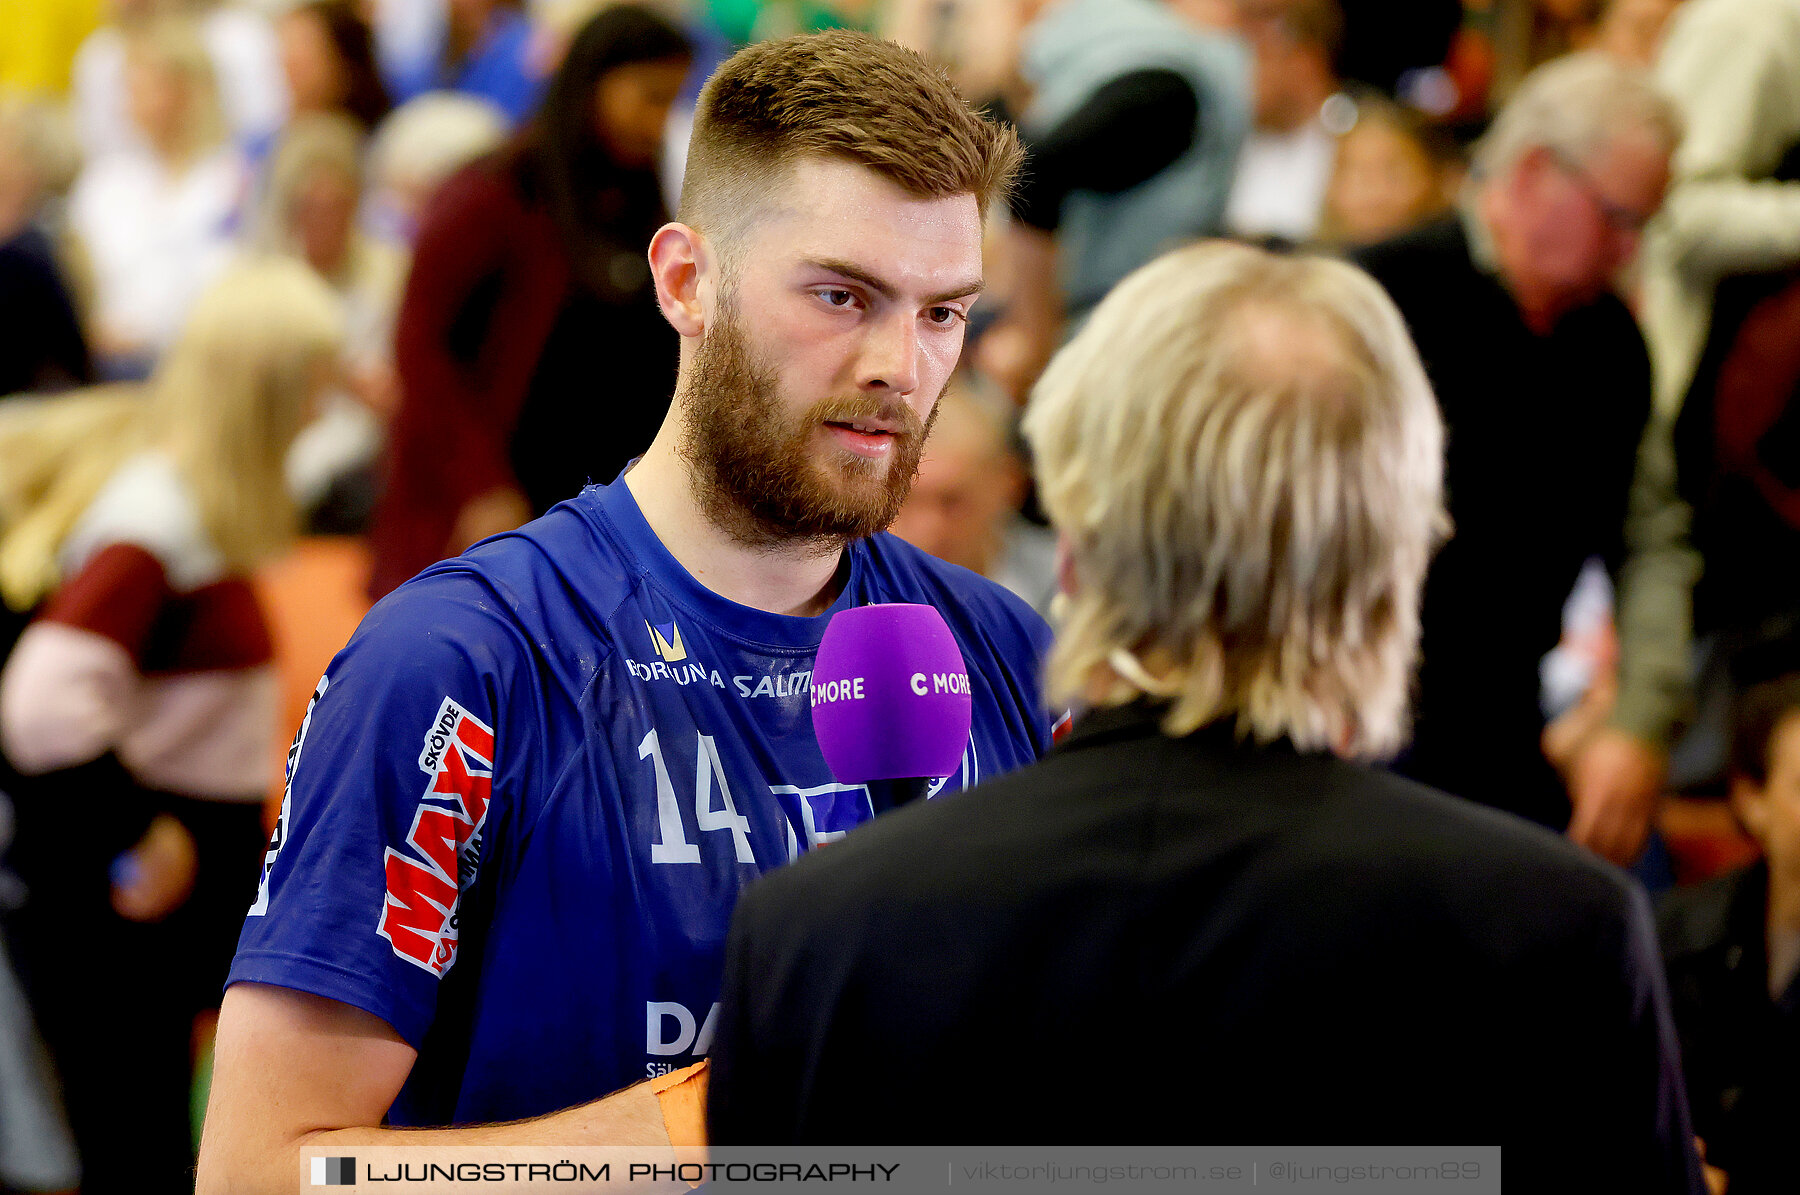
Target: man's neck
(798, 579)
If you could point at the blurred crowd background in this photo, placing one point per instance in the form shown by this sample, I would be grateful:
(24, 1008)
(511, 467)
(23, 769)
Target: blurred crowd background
(363, 281)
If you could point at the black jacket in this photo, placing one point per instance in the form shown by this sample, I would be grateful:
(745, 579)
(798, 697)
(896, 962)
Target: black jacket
(1144, 940)
(1739, 1048)
(1542, 433)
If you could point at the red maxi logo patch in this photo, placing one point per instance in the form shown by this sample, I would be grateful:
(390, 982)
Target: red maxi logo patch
(425, 884)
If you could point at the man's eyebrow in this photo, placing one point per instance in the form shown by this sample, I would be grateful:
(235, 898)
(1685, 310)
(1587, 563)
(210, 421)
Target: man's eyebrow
(885, 289)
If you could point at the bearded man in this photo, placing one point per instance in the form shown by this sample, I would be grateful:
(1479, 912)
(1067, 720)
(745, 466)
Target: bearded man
(527, 794)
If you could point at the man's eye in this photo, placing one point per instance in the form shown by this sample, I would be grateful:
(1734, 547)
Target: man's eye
(836, 298)
(943, 316)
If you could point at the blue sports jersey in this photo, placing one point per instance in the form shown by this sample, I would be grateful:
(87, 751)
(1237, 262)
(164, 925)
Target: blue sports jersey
(526, 795)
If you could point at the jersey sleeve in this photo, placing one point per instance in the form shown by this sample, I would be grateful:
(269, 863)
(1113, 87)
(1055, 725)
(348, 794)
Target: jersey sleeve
(403, 769)
(1020, 642)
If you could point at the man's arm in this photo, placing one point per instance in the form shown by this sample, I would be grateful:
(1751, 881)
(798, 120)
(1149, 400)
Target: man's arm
(1619, 775)
(294, 1071)
(1130, 130)
(1734, 70)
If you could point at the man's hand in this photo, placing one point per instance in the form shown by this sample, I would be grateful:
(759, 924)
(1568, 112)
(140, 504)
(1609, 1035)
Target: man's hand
(155, 877)
(1615, 785)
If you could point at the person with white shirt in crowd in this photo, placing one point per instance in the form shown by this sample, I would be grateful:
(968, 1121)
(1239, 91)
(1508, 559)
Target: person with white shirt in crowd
(1285, 166)
(157, 220)
(245, 56)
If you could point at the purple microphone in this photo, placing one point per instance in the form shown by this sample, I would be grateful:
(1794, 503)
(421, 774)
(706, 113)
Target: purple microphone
(890, 695)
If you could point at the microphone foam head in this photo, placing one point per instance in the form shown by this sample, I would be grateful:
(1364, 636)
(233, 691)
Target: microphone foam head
(890, 694)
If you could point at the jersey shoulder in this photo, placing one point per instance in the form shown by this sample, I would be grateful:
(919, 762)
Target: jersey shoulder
(899, 572)
(557, 582)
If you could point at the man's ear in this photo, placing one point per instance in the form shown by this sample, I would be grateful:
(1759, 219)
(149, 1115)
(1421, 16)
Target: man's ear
(682, 265)
(1531, 170)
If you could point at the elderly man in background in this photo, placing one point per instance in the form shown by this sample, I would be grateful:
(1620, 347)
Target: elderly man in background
(1202, 880)
(1544, 383)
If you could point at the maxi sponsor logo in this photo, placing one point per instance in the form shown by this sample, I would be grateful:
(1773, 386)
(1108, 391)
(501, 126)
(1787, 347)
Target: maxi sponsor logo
(425, 885)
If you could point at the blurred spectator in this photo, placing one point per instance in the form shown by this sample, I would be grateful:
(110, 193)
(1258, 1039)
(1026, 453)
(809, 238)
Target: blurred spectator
(531, 352)
(1732, 946)
(1631, 30)
(43, 348)
(1133, 131)
(977, 41)
(485, 51)
(138, 705)
(328, 57)
(1529, 33)
(1544, 381)
(1393, 171)
(1722, 314)
(558, 21)
(420, 144)
(1298, 112)
(245, 62)
(310, 211)
(964, 504)
(408, 35)
(156, 220)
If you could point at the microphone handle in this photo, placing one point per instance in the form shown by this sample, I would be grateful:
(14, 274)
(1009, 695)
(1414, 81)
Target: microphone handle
(891, 794)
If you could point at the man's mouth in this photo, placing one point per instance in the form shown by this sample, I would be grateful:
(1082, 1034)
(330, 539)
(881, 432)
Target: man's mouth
(871, 438)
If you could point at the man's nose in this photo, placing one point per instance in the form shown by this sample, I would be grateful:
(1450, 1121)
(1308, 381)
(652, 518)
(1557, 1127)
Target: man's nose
(890, 356)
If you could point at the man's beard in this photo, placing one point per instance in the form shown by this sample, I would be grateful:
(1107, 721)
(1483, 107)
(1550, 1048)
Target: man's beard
(757, 473)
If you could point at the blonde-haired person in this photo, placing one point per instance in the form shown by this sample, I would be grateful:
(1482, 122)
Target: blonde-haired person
(1259, 560)
(420, 144)
(309, 208)
(240, 40)
(1243, 458)
(156, 219)
(138, 706)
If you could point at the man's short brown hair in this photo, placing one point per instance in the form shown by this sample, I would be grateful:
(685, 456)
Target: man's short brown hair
(837, 94)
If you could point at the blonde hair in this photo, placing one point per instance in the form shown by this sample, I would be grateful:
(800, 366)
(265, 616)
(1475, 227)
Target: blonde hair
(430, 137)
(837, 94)
(224, 404)
(1245, 459)
(173, 43)
(313, 141)
(1575, 106)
